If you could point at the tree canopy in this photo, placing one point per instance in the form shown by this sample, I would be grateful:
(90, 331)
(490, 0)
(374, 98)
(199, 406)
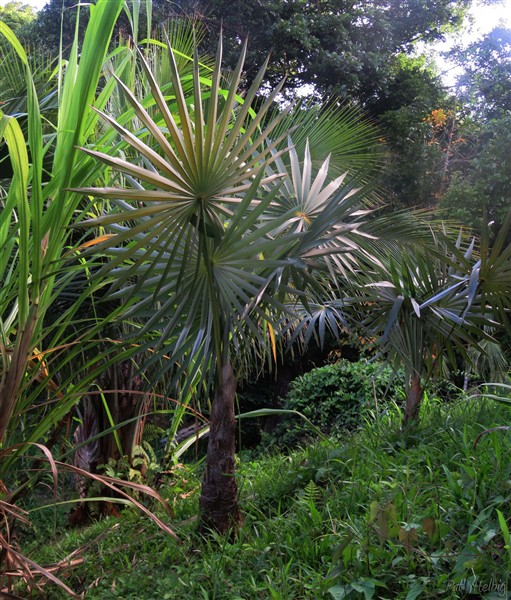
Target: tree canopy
(16, 14)
(339, 47)
(485, 83)
(335, 47)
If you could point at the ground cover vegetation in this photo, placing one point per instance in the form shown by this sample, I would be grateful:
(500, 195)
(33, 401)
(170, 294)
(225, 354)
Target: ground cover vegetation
(175, 229)
(363, 516)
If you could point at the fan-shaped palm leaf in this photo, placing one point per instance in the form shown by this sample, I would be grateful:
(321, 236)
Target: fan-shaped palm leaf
(213, 238)
(193, 200)
(427, 309)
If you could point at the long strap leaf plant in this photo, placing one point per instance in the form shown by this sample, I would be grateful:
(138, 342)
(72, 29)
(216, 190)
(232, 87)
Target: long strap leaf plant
(48, 352)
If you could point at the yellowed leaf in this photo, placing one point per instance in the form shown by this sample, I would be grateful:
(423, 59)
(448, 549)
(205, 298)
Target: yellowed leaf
(429, 527)
(408, 537)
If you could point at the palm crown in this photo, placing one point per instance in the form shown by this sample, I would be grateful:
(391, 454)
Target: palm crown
(213, 242)
(212, 233)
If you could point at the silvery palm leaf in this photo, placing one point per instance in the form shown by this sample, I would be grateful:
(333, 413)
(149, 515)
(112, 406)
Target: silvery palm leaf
(188, 251)
(421, 309)
(325, 212)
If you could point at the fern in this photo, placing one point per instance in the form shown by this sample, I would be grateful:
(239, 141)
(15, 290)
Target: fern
(311, 495)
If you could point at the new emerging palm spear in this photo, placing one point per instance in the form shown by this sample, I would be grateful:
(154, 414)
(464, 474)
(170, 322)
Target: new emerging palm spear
(214, 244)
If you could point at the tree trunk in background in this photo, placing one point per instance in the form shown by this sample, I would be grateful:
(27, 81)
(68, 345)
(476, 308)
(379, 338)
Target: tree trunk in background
(413, 402)
(219, 497)
(122, 384)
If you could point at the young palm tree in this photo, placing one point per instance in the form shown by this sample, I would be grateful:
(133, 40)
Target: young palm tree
(215, 245)
(428, 309)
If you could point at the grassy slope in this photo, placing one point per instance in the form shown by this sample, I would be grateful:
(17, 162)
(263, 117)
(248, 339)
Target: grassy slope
(370, 518)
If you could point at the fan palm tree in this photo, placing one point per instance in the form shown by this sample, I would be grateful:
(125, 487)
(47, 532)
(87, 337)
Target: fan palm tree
(427, 309)
(216, 242)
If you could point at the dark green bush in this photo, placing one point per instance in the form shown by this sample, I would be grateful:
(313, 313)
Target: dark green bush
(334, 398)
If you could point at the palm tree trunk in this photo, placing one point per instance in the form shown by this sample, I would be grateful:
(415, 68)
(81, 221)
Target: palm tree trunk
(219, 497)
(414, 397)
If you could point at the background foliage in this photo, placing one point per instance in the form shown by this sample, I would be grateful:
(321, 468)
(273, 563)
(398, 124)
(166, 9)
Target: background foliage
(336, 398)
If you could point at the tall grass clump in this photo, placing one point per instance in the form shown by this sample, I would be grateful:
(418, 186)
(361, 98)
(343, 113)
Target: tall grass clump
(50, 352)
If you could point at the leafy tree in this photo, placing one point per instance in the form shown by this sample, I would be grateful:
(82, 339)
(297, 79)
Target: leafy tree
(480, 177)
(418, 126)
(338, 47)
(16, 14)
(485, 85)
(480, 187)
(55, 24)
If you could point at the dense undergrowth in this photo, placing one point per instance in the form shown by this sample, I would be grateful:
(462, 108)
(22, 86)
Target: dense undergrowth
(371, 516)
(333, 398)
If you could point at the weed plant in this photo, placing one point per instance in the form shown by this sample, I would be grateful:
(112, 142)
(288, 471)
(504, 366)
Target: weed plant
(372, 516)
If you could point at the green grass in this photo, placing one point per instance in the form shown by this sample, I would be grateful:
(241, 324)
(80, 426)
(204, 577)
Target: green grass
(371, 517)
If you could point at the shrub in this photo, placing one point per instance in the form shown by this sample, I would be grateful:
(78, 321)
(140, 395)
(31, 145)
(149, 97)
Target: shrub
(334, 398)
